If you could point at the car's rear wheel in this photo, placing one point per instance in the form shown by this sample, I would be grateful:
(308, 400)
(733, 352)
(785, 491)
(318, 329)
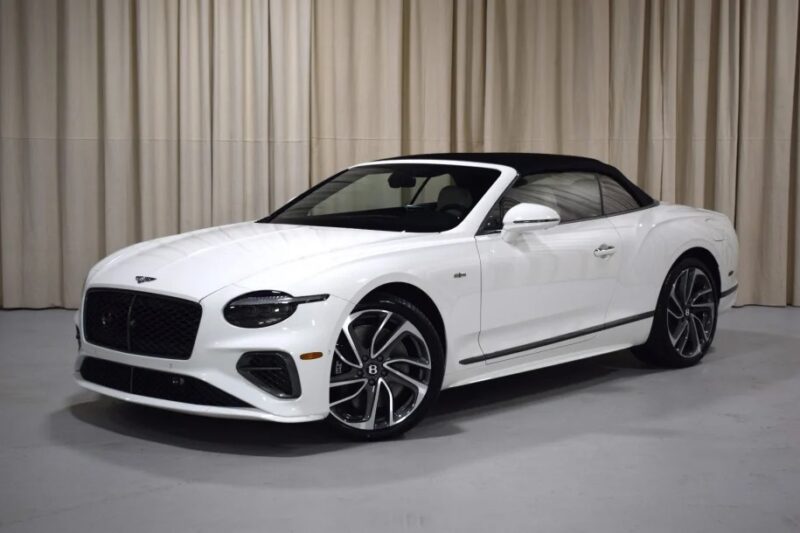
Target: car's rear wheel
(387, 369)
(686, 317)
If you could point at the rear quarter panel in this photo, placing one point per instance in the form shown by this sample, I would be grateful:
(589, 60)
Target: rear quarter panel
(654, 239)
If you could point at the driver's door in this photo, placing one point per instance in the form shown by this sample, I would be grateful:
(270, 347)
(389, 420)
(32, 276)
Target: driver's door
(542, 288)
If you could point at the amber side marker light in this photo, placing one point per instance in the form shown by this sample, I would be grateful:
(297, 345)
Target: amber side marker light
(311, 355)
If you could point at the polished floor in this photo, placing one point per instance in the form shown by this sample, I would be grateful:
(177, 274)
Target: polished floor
(599, 445)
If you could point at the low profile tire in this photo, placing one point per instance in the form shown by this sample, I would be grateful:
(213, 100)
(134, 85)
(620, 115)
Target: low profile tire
(686, 317)
(386, 371)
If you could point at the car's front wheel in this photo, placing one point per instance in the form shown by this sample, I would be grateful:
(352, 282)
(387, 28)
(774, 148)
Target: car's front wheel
(387, 369)
(686, 317)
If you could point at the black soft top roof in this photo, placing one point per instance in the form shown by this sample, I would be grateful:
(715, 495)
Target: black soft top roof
(526, 164)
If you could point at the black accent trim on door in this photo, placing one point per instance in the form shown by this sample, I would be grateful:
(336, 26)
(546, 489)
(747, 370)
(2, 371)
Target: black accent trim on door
(559, 338)
(730, 291)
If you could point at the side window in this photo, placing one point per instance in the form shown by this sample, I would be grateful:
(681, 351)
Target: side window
(615, 198)
(573, 195)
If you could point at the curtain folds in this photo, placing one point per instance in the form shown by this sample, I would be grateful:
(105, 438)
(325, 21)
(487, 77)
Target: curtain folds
(123, 120)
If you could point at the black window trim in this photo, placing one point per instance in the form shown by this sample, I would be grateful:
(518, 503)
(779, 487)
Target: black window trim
(602, 201)
(281, 209)
(600, 191)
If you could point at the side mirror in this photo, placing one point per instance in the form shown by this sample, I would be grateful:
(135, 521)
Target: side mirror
(528, 217)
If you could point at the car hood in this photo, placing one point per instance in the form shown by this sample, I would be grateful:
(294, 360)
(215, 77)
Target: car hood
(199, 263)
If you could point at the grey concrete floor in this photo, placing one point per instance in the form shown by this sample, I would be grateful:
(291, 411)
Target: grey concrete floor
(598, 445)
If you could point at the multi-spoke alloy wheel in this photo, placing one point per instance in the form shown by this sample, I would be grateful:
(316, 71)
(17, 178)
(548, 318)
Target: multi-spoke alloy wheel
(382, 369)
(691, 311)
(685, 318)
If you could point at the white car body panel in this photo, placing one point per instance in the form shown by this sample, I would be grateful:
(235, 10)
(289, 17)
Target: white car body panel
(485, 311)
(556, 267)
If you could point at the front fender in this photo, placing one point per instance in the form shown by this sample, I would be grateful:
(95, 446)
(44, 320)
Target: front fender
(447, 270)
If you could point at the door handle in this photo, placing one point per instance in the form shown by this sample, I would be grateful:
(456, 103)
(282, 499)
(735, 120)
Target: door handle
(604, 250)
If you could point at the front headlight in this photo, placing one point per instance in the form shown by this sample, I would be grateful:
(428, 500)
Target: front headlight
(265, 308)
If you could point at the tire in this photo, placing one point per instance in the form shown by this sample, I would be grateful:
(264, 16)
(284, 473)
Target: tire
(387, 369)
(686, 317)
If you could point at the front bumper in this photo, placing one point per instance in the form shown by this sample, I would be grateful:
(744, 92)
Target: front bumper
(218, 347)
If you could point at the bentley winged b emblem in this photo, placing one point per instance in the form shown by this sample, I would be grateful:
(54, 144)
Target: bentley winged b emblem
(144, 279)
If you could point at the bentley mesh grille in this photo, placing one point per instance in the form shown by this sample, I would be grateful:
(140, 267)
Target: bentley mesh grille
(141, 323)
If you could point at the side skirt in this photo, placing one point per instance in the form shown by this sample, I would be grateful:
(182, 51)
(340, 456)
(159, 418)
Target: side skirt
(557, 339)
(730, 291)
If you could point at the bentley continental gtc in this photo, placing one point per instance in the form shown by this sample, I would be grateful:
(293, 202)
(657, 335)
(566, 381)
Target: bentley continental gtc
(364, 297)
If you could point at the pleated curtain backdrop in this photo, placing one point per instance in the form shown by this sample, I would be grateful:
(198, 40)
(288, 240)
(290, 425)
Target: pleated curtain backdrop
(124, 120)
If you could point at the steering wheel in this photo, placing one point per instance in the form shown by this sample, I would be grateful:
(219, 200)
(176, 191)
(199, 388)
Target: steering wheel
(460, 208)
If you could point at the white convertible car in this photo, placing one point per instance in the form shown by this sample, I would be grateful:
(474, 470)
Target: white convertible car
(362, 298)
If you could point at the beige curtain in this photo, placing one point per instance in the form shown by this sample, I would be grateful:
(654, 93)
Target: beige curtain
(123, 120)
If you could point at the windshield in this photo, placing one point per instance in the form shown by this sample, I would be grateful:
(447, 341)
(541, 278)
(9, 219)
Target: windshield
(399, 197)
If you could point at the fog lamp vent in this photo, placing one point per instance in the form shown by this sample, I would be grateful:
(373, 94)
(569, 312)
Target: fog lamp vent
(274, 372)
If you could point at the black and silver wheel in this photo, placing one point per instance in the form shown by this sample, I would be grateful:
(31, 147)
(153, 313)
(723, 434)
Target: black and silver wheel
(691, 312)
(387, 369)
(685, 319)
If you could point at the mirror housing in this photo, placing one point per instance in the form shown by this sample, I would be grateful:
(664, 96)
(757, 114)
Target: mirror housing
(528, 217)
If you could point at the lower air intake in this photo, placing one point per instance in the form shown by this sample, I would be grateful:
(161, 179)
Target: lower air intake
(273, 372)
(155, 384)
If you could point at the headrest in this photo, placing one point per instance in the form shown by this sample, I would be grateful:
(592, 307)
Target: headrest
(454, 195)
